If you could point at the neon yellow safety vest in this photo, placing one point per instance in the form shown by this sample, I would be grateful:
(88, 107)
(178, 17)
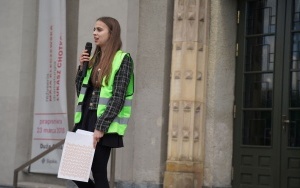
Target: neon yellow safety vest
(119, 125)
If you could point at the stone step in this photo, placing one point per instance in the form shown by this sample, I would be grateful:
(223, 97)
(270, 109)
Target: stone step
(38, 185)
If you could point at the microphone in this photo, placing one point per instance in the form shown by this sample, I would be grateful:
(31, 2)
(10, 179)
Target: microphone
(88, 47)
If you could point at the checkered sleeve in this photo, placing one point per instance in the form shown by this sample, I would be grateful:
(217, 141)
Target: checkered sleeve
(78, 81)
(116, 102)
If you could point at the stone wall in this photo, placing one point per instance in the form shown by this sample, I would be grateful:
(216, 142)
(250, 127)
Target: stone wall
(220, 94)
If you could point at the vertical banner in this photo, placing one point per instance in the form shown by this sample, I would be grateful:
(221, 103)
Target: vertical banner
(50, 123)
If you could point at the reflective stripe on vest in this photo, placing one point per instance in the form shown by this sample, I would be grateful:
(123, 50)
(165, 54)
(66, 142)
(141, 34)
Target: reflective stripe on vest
(104, 101)
(119, 124)
(81, 96)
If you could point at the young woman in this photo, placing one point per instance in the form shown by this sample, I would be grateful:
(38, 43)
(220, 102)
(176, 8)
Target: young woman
(104, 96)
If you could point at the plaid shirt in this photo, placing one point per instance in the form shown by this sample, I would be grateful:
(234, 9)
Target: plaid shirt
(116, 102)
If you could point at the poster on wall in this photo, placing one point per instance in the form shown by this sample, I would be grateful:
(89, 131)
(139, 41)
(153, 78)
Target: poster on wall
(50, 122)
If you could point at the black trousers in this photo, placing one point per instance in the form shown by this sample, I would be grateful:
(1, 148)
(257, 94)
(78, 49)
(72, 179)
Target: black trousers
(99, 169)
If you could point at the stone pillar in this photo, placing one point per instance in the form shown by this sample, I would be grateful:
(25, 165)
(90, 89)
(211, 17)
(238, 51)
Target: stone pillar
(184, 167)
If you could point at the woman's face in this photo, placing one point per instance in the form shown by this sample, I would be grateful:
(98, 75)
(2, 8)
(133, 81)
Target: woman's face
(101, 33)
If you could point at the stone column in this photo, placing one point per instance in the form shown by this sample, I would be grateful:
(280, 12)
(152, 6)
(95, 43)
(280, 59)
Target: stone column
(184, 167)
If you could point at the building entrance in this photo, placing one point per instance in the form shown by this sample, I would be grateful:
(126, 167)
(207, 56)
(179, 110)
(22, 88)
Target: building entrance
(267, 95)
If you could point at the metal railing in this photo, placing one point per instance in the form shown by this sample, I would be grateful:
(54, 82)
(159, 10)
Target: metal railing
(55, 146)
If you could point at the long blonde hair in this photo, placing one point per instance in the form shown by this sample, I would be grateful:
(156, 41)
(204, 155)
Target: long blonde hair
(104, 63)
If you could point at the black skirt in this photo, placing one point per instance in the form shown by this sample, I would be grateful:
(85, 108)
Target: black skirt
(88, 121)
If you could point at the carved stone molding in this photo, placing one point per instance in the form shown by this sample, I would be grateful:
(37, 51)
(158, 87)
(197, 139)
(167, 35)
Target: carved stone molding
(184, 164)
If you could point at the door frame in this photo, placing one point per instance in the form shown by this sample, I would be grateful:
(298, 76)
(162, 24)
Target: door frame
(275, 148)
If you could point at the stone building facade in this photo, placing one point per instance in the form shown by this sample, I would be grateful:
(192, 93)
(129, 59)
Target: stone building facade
(181, 132)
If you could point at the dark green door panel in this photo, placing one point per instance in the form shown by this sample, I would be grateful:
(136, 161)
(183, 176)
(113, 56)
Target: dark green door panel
(267, 95)
(290, 145)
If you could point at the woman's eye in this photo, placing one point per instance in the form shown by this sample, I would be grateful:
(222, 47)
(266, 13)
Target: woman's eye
(98, 29)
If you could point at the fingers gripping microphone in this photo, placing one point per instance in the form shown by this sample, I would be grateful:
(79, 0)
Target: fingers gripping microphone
(88, 47)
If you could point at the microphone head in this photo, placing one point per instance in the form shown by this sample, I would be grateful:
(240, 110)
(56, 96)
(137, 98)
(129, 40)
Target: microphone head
(88, 44)
(88, 47)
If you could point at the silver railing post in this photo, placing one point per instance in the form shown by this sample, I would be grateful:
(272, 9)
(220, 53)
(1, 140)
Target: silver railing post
(16, 171)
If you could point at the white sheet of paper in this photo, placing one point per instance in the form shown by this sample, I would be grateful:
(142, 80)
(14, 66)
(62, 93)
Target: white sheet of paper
(80, 131)
(77, 156)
